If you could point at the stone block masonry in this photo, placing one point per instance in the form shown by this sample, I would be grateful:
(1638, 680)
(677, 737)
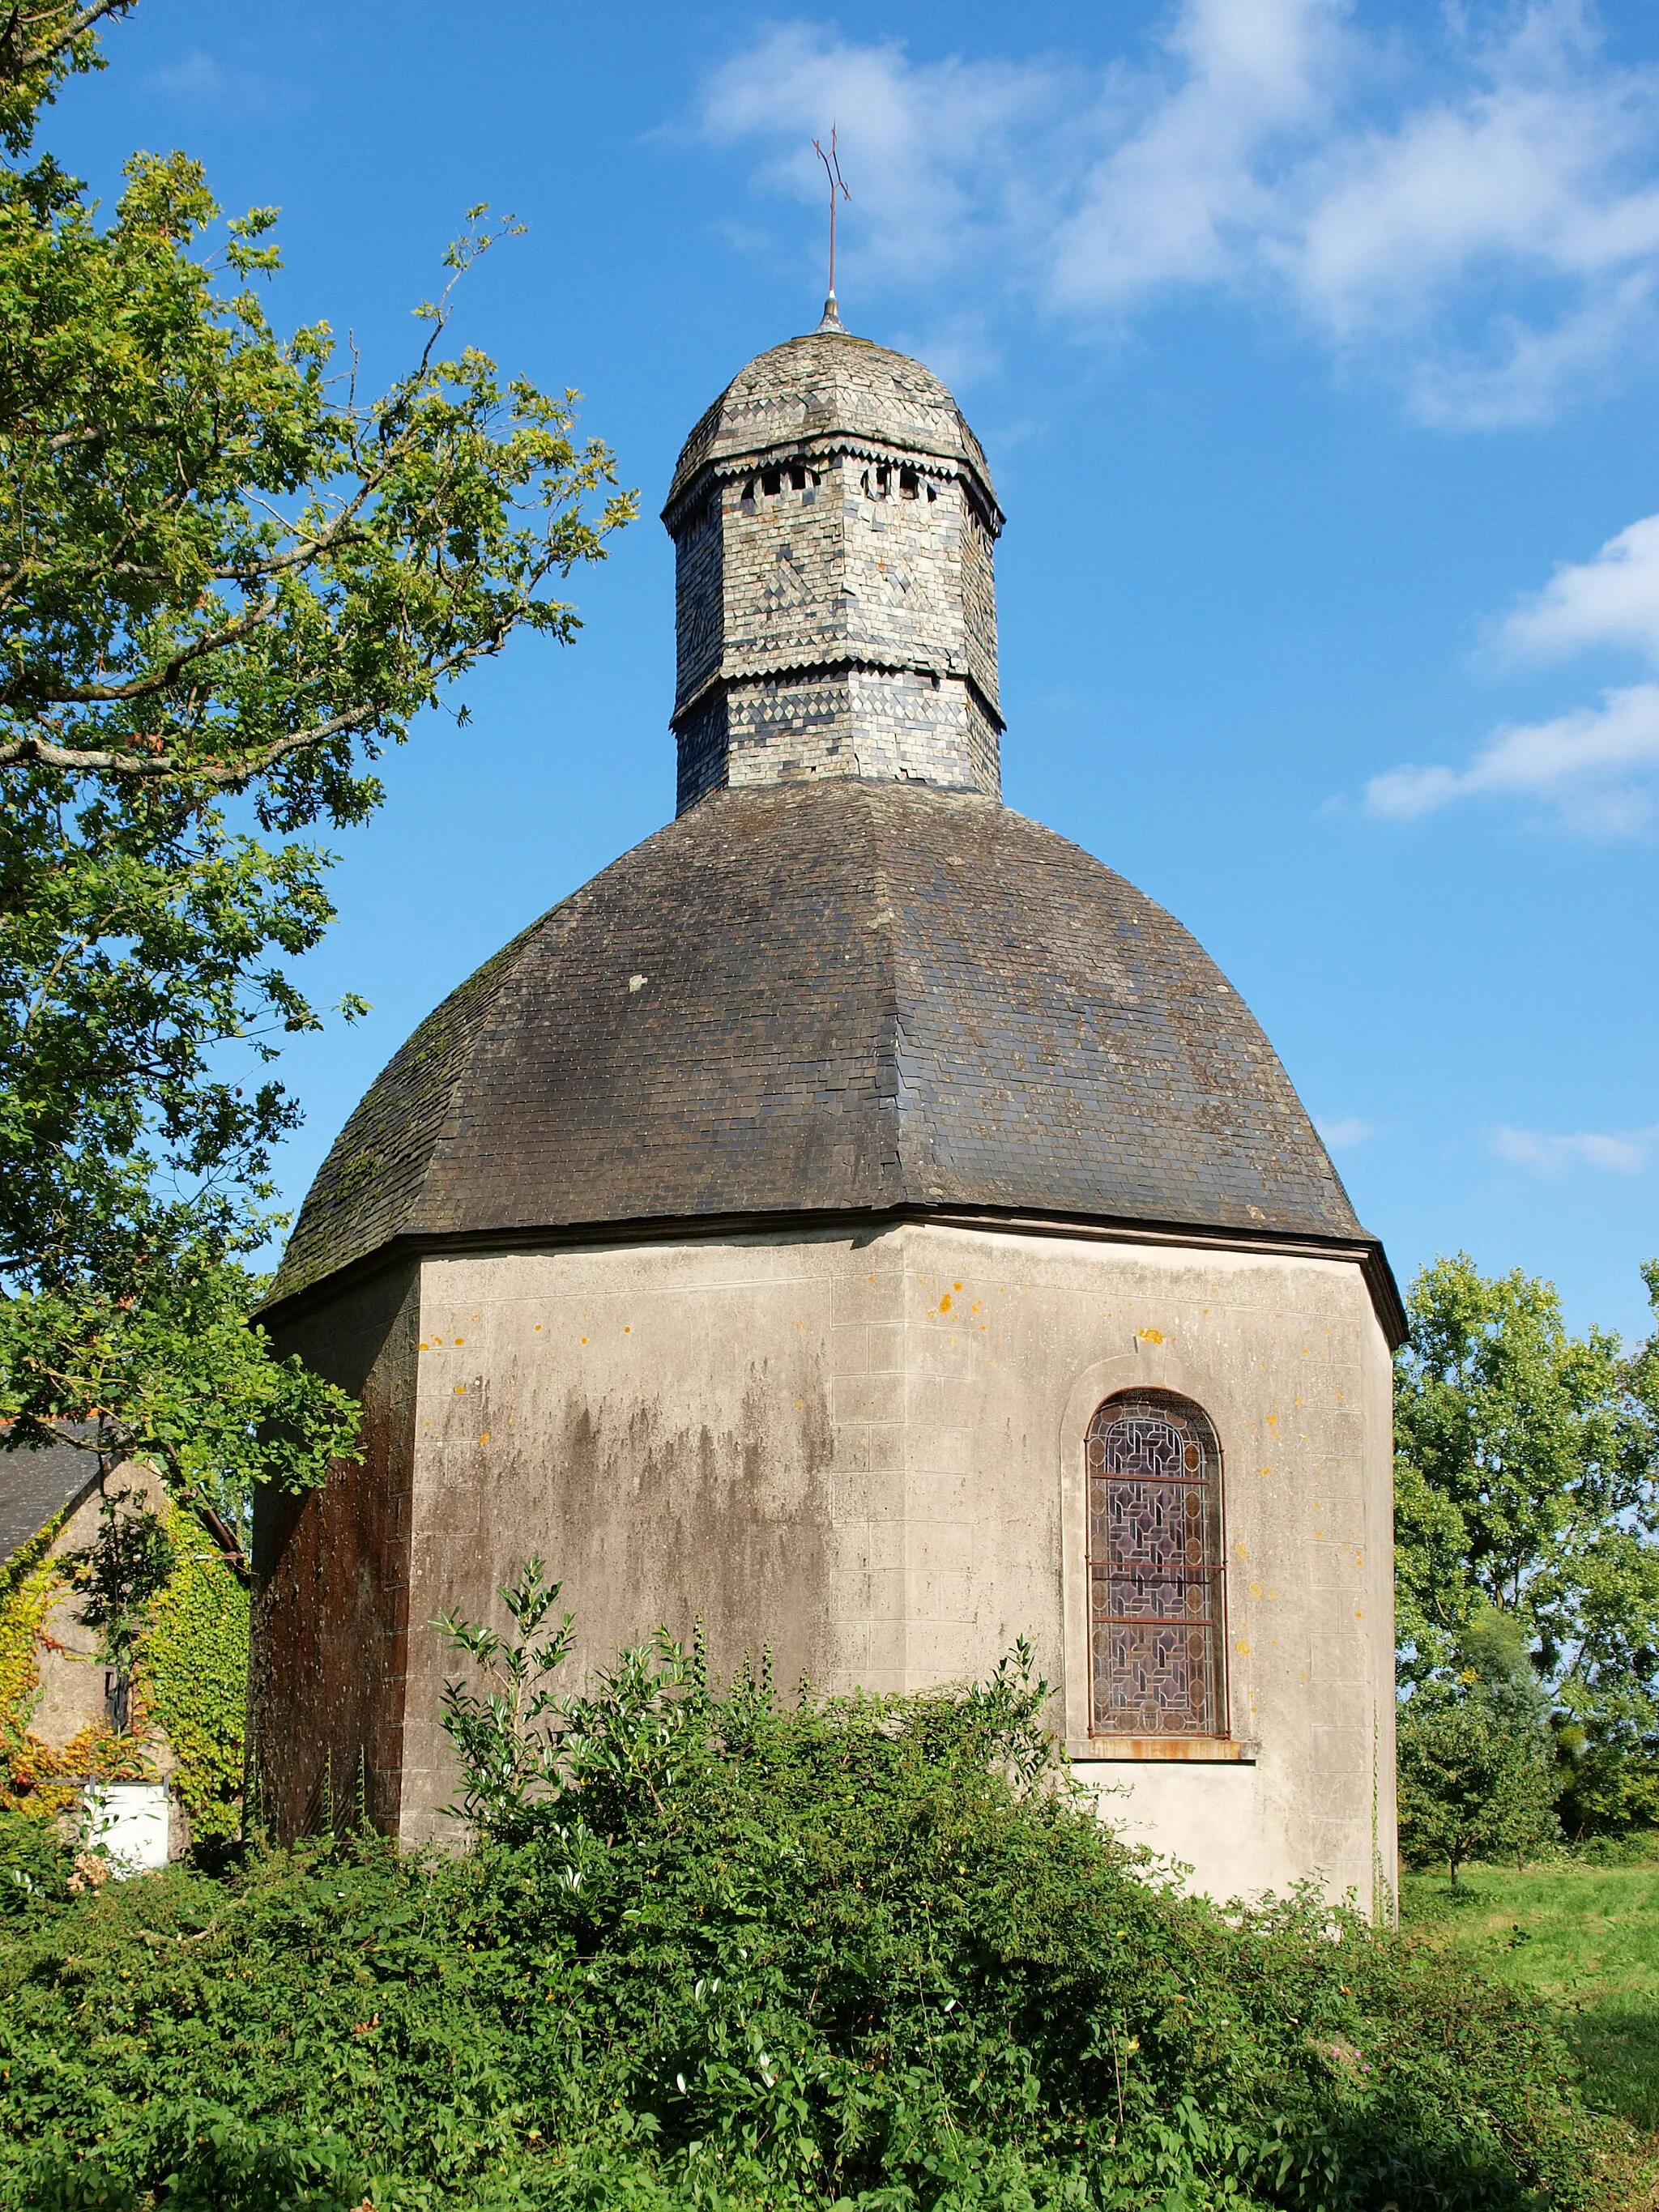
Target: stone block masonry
(835, 596)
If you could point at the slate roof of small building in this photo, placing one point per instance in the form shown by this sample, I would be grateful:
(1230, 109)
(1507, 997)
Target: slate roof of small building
(824, 389)
(824, 996)
(38, 1483)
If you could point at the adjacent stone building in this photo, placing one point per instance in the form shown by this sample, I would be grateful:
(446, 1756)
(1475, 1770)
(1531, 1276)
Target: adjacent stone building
(861, 1218)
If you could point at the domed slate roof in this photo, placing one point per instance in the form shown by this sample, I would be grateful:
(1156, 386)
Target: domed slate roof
(830, 388)
(810, 998)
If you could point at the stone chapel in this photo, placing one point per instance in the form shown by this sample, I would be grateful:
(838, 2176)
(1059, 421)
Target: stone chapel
(861, 1218)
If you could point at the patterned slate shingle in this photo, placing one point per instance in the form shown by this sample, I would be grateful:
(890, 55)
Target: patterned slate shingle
(856, 995)
(828, 385)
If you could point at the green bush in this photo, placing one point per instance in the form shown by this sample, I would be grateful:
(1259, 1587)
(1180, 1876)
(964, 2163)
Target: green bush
(857, 1954)
(35, 1862)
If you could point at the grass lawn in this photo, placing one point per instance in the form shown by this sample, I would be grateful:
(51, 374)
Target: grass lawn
(1586, 1938)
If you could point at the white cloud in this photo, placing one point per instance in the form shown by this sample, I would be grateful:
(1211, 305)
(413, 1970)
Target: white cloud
(194, 76)
(1494, 241)
(1183, 198)
(1596, 768)
(1624, 1153)
(199, 79)
(1591, 767)
(933, 151)
(1612, 599)
(1343, 1135)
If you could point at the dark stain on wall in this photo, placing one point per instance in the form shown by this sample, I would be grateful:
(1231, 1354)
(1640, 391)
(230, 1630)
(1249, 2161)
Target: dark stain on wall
(331, 1570)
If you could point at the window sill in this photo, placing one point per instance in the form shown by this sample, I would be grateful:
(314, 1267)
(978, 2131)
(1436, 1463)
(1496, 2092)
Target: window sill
(1193, 1750)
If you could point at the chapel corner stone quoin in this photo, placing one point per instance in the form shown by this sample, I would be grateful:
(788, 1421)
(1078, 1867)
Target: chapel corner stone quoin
(861, 1218)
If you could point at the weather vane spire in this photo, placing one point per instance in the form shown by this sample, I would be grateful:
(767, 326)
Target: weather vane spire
(832, 173)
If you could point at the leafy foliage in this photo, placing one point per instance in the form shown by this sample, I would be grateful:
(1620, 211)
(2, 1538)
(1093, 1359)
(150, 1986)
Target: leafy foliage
(40, 47)
(229, 580)
(1472, 1784)
(173, 1374)
(118, 1575)
(734, 1957)
(193, 1669)
(504, 1731)
(35, 1862)
(1527, 1488)
(174, 1620)
(28, 1581)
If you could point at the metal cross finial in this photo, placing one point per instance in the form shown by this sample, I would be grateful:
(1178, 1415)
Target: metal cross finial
(832, 172)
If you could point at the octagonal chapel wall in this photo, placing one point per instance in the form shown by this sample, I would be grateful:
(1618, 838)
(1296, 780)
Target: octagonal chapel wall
(867, 1451)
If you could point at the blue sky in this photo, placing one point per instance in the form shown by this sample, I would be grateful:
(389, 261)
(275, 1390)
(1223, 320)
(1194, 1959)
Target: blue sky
(1314, 351)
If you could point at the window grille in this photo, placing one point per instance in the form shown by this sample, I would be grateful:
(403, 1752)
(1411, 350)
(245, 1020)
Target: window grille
(1156, 1643)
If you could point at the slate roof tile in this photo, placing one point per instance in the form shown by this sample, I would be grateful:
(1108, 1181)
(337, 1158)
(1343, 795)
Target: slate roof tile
(857, 995)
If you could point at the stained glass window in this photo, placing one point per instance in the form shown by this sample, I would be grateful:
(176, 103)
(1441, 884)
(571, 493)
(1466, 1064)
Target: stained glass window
(1155, 1569)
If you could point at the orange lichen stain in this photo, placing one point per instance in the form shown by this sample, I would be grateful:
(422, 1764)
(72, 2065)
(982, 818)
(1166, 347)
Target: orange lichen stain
(1272, 1420)
(1358, 1614)
(1256, 1589)
(956, 1286)
(538, 1328)
(1264, 1470)
(945, 1302)
(976, 1307)
(423, 1347)
(437, 1339)
(460, 1339)
(484, 1438)
(584, 1339)
(1241, 1648)
(460, 1389)
(1150, 1336)
(627, 1330)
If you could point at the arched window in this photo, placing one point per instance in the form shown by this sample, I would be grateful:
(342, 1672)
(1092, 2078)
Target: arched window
(1156, 1632)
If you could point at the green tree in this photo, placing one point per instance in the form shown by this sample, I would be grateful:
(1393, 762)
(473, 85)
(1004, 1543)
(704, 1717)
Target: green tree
(1476, 1767)
(1527, 1488)
(1474, 1782)
(229, 580)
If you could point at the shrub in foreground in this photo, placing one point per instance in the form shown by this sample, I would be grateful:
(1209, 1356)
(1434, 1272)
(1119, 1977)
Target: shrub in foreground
(860, 1953)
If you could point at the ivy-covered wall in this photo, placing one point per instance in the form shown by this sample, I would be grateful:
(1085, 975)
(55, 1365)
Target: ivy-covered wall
(191, 1686)
(193, 1678)
(29, 1583)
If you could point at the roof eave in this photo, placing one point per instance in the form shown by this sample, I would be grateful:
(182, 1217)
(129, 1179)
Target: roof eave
(1361, 1249)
